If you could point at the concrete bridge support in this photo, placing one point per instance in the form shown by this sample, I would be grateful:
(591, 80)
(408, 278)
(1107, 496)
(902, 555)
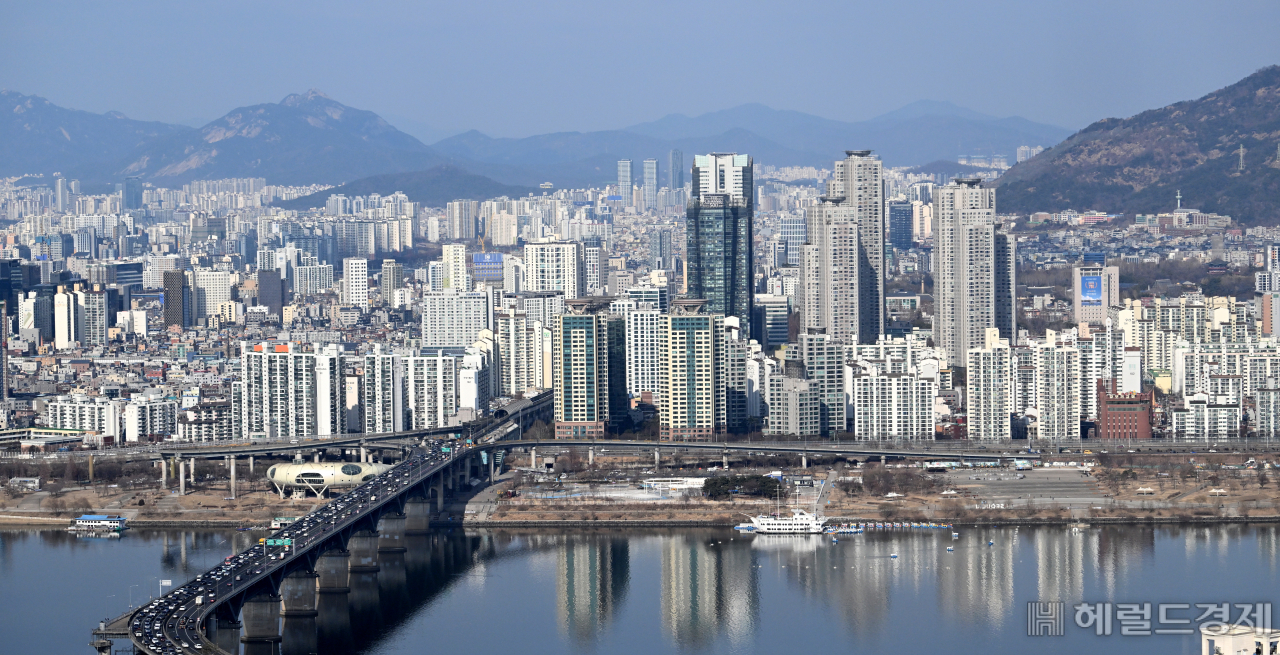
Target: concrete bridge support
(332, 572)
(438, 484)
(363, 547)
(492, 464)
(298, 594)
(333, 620)
(226, 634)
(657, 460)
(298, 613)
(724, 460)
(591, 457)
(192, 470)
(233, 477)
(164, 473)
(417, 517)
(533, 458)
(182, 478)
(261, 618)
(804, 461)
(391, 534)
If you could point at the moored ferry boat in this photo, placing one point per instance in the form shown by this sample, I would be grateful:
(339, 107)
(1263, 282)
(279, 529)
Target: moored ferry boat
(98, 523)
(800, 522)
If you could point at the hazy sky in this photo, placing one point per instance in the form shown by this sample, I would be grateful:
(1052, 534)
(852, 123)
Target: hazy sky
(521, 68)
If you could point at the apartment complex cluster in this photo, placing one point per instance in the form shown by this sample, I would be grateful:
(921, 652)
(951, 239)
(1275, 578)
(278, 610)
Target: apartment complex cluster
(689, 302)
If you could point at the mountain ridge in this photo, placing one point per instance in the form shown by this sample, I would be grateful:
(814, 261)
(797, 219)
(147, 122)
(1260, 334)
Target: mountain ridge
(1138, 164)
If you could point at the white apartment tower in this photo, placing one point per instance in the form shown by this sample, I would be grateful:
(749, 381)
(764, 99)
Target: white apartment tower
(355, 282)
(382, 391)
(554, 266)
(974, 263)
(286, 391)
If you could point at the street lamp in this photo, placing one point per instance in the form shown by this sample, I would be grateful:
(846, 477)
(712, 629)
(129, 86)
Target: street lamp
(131, 594)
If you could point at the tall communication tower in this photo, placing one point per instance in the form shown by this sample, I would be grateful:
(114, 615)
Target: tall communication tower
(1241, 151)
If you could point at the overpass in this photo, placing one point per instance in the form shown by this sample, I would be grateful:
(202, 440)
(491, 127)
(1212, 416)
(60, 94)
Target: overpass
(804, 449)
(178, 460)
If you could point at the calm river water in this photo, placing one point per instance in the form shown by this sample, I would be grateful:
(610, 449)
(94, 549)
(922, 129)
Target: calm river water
(679, 591)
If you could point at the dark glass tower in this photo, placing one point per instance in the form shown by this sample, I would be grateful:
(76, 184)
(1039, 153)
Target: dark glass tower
(719, 235)
(901, 217)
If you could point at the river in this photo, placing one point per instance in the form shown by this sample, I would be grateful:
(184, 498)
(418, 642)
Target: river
(680, 591)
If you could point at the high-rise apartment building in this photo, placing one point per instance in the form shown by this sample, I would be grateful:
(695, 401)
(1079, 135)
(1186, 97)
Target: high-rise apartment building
(829, 272)
(431, 390)
(461, 216)
(581, 369)
(519, 341)
(555, 266)
(644, 352)
(694, 399)
(624, 182)
(382, 391)
(650, 183)
(285, 390)
(973, 269)
(719, 233)
(848, 272)
(453, 319)
(355, 282)
(991, 390)
(454, 258)
(392, 278)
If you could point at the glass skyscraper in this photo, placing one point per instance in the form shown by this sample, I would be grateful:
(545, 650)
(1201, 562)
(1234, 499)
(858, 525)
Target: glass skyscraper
(624, 181)
(719, 235)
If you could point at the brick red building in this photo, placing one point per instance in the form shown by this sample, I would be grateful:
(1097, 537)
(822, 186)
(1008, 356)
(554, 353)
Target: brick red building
(1123, 415)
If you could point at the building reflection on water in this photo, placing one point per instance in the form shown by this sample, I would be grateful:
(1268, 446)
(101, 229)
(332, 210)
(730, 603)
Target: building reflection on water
(709, 589)
(593, 574)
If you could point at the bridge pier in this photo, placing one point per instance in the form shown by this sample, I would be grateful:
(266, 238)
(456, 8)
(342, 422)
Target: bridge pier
(363, 547)
(298, 594)
(656, 461)
(315, 457)
(591, 457)
(251, 466)
(164, 474)
(192, 470)
(417, 517)
(438, 485)
(804, 461)
(333, 620)
(391, 533)
(182, 478)
(724, 460)
(533, 457)
(225, 634)
(492, 465)
(333, 576)
(233, 476)
(261, 618)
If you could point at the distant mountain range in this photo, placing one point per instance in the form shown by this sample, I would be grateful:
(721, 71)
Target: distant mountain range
(311, 138)
(37, 136)
(432, 188)
(1138, 164)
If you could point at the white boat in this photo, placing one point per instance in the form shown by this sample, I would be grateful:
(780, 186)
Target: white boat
(800, 522)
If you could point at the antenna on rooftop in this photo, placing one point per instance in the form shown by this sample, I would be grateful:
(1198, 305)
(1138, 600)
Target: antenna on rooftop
(1179, 198)
(1241, 157)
